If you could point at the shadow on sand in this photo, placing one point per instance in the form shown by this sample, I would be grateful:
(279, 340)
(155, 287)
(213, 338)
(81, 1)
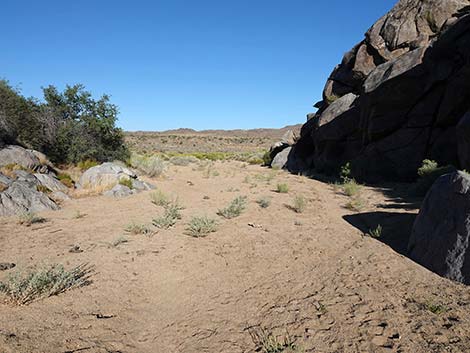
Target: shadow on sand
(396, 227)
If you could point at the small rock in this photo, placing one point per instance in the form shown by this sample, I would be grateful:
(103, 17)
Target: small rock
(382, 341)
(4, 266)
(75, 249)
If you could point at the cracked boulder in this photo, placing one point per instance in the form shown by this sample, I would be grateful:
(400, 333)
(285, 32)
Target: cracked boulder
(441, 233)
(397, 98)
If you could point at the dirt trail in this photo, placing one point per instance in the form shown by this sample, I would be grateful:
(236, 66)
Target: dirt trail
(313, 275)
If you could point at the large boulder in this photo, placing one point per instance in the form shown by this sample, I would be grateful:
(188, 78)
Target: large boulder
(12, 154)
(398, 97)
(441, 233)
(22, 196)
(51, 182)
(280, 159)
(104, 176)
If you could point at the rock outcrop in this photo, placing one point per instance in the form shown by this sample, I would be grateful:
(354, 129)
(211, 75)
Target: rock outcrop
(30, 184)
(21, 195)
(441, 233)
(107, 177)
(400, 96)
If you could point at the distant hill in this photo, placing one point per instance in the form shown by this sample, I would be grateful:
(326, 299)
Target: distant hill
(189, 140)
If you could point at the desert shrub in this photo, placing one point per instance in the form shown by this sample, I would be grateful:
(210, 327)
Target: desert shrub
(87, 164)
(44, 189)
(428, 173)
(282, 188)
(183, 160)
(30, 218)
(267, 158)
(345, 173)
(137, 229)
(351, 187)
(234, 209)
(201, 226)
(299, 204)
(126, 182)
(355, 204)
(263, 202)
(66, 179)
(153, 166)
(159, 198)
(376, 232)
(269, 343)
(25, 288)
(170, 216)
(435, 308)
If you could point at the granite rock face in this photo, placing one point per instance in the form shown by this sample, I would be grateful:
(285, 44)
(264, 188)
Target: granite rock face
(440, 239)
(400, 96)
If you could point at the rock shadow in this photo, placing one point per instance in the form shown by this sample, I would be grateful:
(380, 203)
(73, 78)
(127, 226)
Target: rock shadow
(396, 227)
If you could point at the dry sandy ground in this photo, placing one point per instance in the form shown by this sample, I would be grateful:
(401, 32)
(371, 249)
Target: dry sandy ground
(313, 275)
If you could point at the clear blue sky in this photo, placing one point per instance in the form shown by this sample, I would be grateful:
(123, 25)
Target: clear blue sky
(199, 64)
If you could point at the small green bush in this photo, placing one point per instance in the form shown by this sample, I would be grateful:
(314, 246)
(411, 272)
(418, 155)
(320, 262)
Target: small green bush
(282, 188)
(351, 188)
(234, 209)
(87, 164)
(263, 202)
(428, 173)
(269, 343)
(299, 204)
(355, 204)
(375, 233)
(171, 215)
(24, 288)
(267, 159)
(159, 198)
(126, 182)
(201, 226)
(136, 229)
(66, 179)
(42, 188)
(153, 166)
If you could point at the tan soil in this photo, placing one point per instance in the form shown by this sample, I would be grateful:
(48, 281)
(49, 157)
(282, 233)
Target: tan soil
(188, 140)
(313, 275)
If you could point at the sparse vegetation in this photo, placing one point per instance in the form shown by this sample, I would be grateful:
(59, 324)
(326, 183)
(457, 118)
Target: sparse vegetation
(30, 218)
(282, 188)
(24, 288)
(351, 188)
(436, 308)
(42, 188)
(299, 204)
(267, 342)
(159, 198)
(376, 232)
(126, 182)
(355, 204)
(171, 215)
(138, 228)
(66, 179)
(87, 164)
(428, 174)
(201, 226)
(263, 202)
(153, 166)
(234, 209)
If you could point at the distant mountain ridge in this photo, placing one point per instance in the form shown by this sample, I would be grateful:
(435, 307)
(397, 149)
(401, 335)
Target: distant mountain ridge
(259, 132)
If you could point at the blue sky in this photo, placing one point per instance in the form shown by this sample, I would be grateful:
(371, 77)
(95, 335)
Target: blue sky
(199, 64)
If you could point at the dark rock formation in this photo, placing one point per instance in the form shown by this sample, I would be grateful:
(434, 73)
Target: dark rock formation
(441, 233)
(397, 98)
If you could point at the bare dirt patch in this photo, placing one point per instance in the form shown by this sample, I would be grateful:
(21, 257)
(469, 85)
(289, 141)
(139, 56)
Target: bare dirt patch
(310, 280)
